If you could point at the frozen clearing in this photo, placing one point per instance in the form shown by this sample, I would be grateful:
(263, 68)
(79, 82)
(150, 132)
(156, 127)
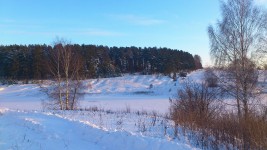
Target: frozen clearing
(139, 92)
(126, 119)
(33, 131)
(24, 125)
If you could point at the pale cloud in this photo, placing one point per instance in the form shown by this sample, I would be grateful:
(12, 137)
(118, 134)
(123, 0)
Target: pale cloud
(11, 23)
(99, 32)
(8, 20)
(138, 20)
(67, 32)
(14, 27)
(26, 32)
(261, 2)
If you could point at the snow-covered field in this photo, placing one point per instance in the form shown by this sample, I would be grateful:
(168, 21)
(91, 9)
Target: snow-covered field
(118, 113)
(139, 92)
(39, 130)
(130, 116)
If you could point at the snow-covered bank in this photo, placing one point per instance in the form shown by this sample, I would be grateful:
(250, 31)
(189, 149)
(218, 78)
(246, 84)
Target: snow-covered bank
(124, 113)
(140, 92)
(33, 131)
(30, 129)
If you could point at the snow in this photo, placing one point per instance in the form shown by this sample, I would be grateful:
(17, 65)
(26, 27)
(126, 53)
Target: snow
(108, 93)
(124, 121)
(122, 116)
(35, 130)
(131, 84)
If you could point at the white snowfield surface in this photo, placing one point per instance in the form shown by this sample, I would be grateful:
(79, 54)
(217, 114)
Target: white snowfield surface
(139, 92)
(127, 119)
(34, 131)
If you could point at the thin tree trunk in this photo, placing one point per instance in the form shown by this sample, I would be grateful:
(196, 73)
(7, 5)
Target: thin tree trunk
(59, 82)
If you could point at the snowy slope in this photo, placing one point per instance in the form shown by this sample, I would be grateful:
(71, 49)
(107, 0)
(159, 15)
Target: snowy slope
(128, 84)
(33, 131)
(125, 119)
(29, 128)
(140, 92)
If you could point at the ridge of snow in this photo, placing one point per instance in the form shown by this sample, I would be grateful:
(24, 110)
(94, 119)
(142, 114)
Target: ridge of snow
(33, 131)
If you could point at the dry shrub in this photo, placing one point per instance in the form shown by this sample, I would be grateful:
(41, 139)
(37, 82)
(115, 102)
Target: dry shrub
(211, 79)
(194, 109)
(195, 104)
(199, 112)
(240, 133)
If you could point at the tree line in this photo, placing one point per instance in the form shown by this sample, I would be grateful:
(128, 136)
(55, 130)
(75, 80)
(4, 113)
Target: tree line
(27, 62)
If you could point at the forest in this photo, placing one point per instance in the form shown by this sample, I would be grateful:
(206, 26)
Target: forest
(29, 62)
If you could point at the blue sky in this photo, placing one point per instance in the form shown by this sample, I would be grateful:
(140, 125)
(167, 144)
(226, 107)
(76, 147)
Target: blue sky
(177, 24)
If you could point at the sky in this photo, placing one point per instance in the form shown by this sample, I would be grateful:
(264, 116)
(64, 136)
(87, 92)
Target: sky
(176, 24)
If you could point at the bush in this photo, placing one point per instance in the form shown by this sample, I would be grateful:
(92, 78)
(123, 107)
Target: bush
(198, 111)
(8, 81)
(183, 74)
(211, 79)
(194, 105)
(151, 86)
(174, 77)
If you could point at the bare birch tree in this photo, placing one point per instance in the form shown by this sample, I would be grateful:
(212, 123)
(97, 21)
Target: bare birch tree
(64, 65)
(236, 38)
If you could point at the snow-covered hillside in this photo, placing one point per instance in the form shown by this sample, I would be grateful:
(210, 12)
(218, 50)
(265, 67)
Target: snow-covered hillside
(116, 113)
(139, 92)
(123, 120)
(44, 131)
